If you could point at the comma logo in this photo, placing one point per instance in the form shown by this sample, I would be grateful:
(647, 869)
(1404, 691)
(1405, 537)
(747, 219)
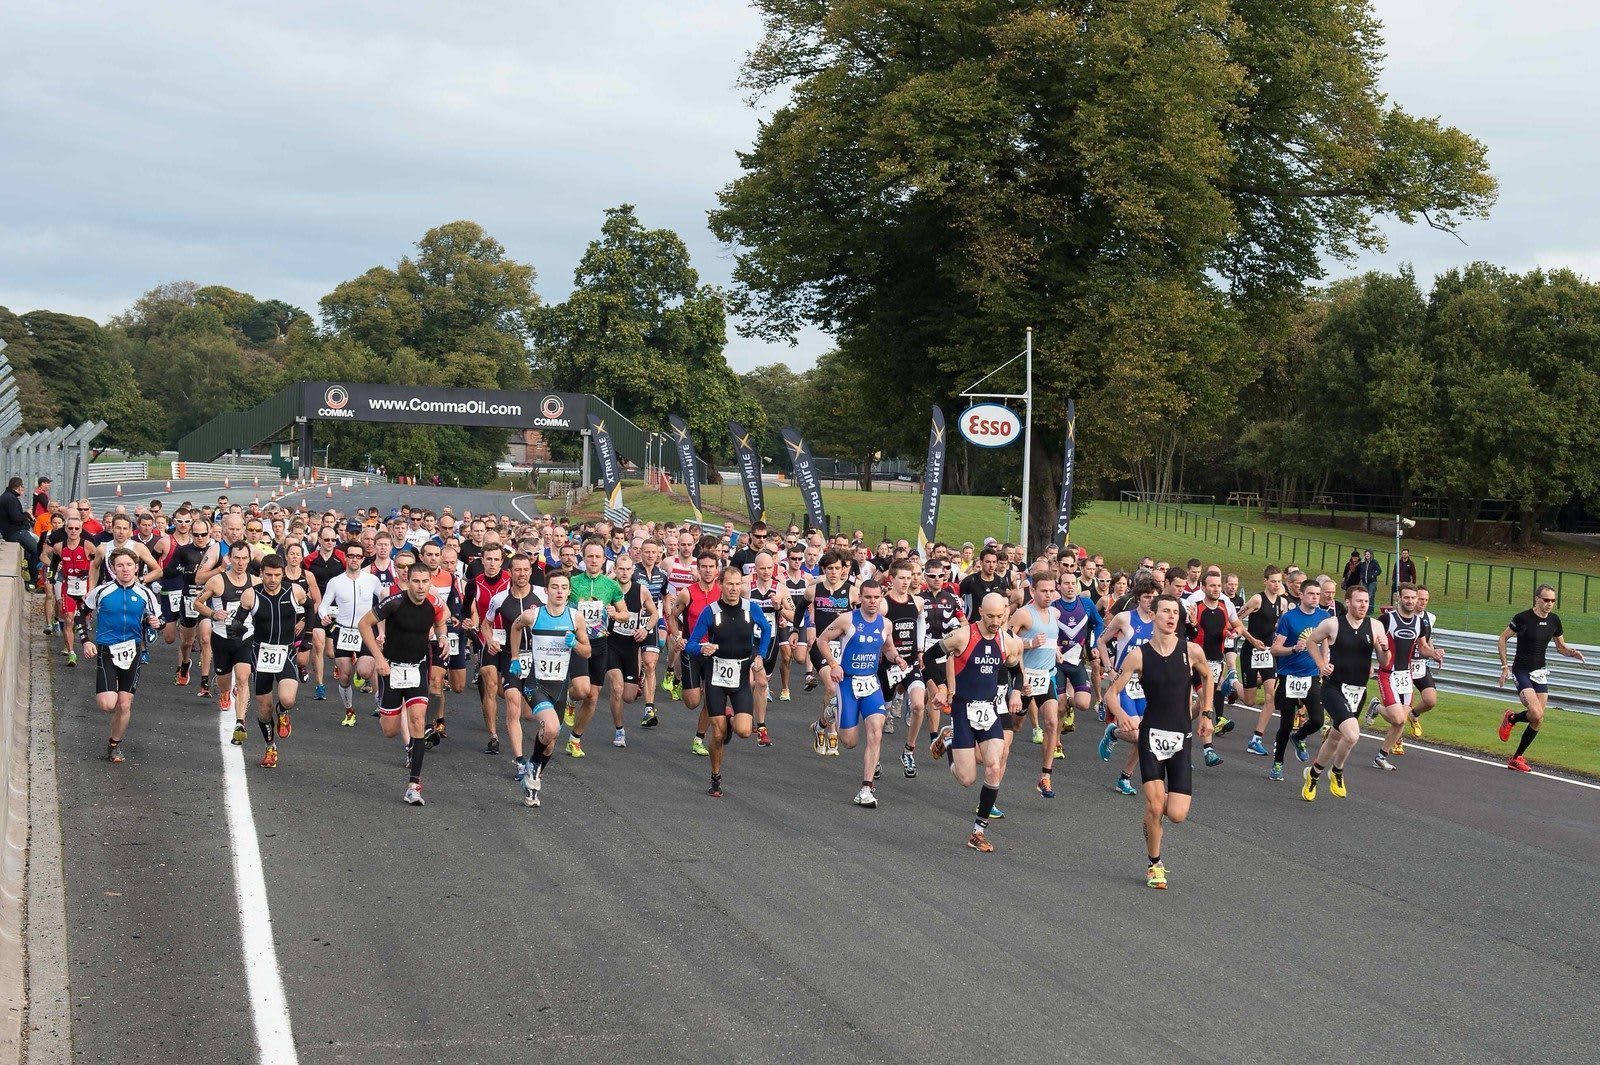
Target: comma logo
(336, 397)
(551, 406)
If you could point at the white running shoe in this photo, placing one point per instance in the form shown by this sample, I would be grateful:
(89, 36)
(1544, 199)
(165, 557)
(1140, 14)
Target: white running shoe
(866, 797)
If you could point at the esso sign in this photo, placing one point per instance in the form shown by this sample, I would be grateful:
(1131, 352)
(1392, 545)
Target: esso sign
(990, 425)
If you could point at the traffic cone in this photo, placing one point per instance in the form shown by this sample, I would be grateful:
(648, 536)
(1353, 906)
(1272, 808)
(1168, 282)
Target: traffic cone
(119, 490)
(169, 486)
(225, 483)
(256, 502)
(347, 488)
(255, 482)
(330, 491)
(369, 482)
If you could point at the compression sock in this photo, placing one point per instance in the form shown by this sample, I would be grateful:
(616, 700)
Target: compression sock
(1520, 717)
(986, 797)
(419, 747)
(347, 696)
(1316, 771)
(266, 730)
(1529, 734)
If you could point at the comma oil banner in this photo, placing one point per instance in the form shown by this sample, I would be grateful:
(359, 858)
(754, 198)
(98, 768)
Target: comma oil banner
(749, 463)
(509, 409)
(1064, 514)
(610, 468)
(805, 476)
(932, 484)
(688, 468)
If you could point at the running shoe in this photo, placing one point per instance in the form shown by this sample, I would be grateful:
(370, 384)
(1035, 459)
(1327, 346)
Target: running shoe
(575, 748)
(908, 762)
(877, 771)
(1156, 877)
(1506, 725)
(866, 797)
(431, 738)
(1299, 718)
(1300, 751)
(225, 701)
(1038, 734)
(833, 746)
(995, 813)
(1255, 746)
(522, 769)
(941, 742)
(1336, 786)
(1372, 711)
(360, 683)
(1308, 787)
(414, 795)
(239, 734)
(698, 746)
(530, 787)
(1224, 726)
(114, 754)
(1415, 724)
(1058, 754)
(715, 791)
(269, 760)
(1125, 786)
(888, 723)
(181, 680)
(1276, 773)
(205, 689)
(50, 629)
(620, 738)
(980, 843)
(1069, 721)
(669, 684)
(72, 659)
(1398, 748)
(819, 739)
(811, 682)
(783, 696)
(1100, 711)
(1520, 764)
(493, 746)
(568, 718)
(650, 720)
(285, 726)
(1044, 786)
(349, 719)
(438, 729)
(1212, 757)
(1382, 762)
(763, 738)
(1107, 741)
(321, 693)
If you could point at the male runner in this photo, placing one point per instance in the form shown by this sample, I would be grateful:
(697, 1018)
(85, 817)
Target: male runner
(346, 598)
(277, 619)
(227, 600)
(729, 636)
(1408, 633)
(557, 635)
(1300, 668)
(1036, 624)
(1535, 629)
(1349, 640)
(123, 612)
(596, 596)
(1260, 615)
(630, 622)
(400, 663)
(861, 637)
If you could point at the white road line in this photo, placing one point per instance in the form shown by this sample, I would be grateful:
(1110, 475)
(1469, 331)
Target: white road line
(269, 1007)
(525, 515)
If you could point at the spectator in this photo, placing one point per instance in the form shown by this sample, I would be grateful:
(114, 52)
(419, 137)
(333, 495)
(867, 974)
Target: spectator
(41, 497)
(1352, 569)
(1406, 570)
(16, 526)
(1369, 573)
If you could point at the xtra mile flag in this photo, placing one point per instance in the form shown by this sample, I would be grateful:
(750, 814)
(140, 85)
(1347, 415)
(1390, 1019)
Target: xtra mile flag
(688, 468)
(932, 484)
(749, 463)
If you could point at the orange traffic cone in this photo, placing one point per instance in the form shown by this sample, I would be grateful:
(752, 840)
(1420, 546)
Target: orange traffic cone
(255, 482)
(119, 490)
(226, 483)
(169, 486)
(330, 491)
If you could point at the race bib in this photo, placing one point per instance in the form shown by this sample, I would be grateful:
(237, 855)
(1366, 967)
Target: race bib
(1074, 654)
(627, 627)
(864, 685)
(981, 715)
(1165, 743)
(896, 675)
(348, 640)
(174, 601)
(1260, 658)
(77, 586)
(270, 657)
(834, 649)
(1134, 689)
(189, 608)
(220, 618)
(1216, 672)
(550, 663)
(1297, 687)
(1419, 668)
(526, 661)
(1540, 676)
(122, 654)
(403, 677)
(452, 641)
(593, 611)
(1036, 681)
(1401, 684)
(1353, 695)
(725, 673)
(499, 637)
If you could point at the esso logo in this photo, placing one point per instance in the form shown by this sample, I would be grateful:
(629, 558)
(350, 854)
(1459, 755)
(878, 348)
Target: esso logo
(990, 425)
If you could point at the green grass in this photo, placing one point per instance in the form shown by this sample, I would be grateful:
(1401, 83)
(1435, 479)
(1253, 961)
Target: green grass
(1568, 740)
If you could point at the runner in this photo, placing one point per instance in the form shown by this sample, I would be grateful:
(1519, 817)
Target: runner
(852, 646)
(1348, 642)
(1036, 625)
(832, 597)
(1300, 668)
(630, 621)
(400, 662)
(73, 561)
(491, 579)
(539, 676)
(903, 683)
(1407, 633)
(324, 564)
(517, 598)
(1163, 665)
(793, 645)
(1423, 682)
(730, 635)
(773, 598)
(124, 613)
(1078, 628)
(449, 669)
(653, 575)
(682, 571)
(1535, 629)
(227, 600)
(1260, 615)
(942, 618)
(1211, 624)
(988, 578)
(346, 598)
(1127, 630)
(277, 618)
(978, 656)
(596, 596)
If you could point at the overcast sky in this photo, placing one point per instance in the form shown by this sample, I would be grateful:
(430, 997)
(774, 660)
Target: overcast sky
(280, 149)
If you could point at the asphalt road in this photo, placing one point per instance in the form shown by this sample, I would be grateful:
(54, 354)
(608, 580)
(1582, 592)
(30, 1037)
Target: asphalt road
(1444, 912)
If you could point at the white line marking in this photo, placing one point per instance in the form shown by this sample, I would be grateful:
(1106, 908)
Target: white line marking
(269, 1007)
(525, 515)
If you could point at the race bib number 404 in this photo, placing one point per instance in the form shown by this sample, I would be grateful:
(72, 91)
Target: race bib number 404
(1297, 687)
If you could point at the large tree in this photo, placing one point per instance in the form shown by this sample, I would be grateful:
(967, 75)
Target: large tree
(1129, 178)
(641, 332)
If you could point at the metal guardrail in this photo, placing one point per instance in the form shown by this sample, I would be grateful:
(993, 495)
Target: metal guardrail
(115, 472)
(211, 471)
(15, 681)
(1472, 666)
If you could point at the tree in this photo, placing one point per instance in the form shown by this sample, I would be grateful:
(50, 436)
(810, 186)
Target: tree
(837, 406)
(1128, 178)
(779, 392)
(641, 332)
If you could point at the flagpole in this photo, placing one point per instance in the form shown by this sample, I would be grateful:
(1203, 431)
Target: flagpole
(1027, 445)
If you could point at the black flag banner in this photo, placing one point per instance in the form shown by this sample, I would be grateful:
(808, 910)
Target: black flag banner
(932, 484)
(749, 463)
(805, 476)
(610, 469)
(1064, 514)
(688, 469)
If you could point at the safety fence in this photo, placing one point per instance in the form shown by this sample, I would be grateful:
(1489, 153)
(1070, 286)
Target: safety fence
(1472, 666)
(61, 454)
(14, 699)
(117, 472)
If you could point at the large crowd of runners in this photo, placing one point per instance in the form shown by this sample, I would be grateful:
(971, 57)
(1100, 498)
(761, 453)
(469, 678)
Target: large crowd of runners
(960, 652)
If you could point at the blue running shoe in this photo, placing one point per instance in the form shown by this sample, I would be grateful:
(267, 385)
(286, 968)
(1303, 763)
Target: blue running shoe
(1100, 710)
(1231, 681)
(1125, 786)
(321, 694)
(1212, 757)
(1277, 771)
(1300, 751)
(522, 771)
(1255, 746)
(1108, 741)
(997, 814)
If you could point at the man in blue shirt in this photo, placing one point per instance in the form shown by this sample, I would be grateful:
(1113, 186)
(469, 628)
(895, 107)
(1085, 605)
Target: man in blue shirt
(1300, 667)
(124, 611)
